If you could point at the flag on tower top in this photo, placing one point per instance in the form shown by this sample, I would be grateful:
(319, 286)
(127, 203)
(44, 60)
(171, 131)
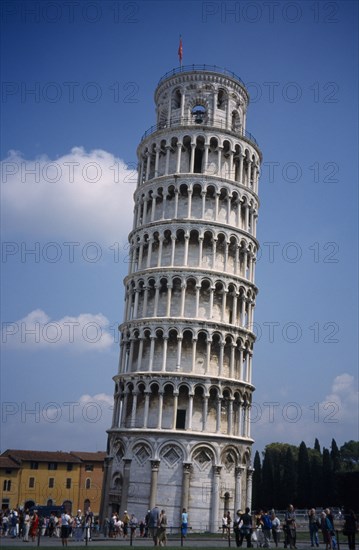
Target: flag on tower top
(180, 51)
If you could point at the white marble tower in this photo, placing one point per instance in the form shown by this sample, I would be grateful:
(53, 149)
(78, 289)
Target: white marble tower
(180, 435)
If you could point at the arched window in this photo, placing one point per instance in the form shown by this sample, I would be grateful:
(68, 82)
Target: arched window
(88, 483)
(198, 114)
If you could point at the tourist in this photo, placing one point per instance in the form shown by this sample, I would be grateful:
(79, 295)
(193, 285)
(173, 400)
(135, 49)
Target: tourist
(34, 524)
(327, 528)
(153, 524)
(162, 530)
(77, 525)
(184, 523)
(88, 523)
(291, 527)
(26, 526)
(266, 528)
(224, 526)
(133, 525)
(275, 528)
(245, 528)
(65, 528)
(125, 521)
(350, 527)
(314, 525)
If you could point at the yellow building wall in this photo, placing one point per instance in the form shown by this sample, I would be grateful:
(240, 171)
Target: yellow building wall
(41, 492)
(13, 494)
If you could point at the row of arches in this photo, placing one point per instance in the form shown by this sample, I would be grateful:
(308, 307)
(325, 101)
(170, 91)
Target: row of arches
(171, 406)
(209, 101)
(196, 201)
(190, 297)
(208, 249)
(156, 450)
(186, 350)
(199, 153)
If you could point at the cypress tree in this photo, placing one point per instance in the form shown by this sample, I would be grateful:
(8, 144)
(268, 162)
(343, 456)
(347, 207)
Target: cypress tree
(316, 470)
(327, 489)
(317, 446)
(304, 489)
(267, 479)
(257, 482)
(335, 456)
(288, 493)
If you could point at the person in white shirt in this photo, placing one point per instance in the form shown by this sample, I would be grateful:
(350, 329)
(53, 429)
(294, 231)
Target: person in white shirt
(65, 528)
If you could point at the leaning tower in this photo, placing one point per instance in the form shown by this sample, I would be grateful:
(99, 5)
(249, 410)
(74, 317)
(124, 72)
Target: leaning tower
(180, 436)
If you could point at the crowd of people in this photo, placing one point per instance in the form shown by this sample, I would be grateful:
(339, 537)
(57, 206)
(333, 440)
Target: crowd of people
(28, 525)
(264, 528)
(261, 529)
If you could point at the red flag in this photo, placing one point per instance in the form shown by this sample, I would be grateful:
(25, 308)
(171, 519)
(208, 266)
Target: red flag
(180, 51)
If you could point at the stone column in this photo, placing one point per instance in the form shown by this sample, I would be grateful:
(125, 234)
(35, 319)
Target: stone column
(134, 409)
(160, 248)
(205, 163)
(160, 410)
(164, 358)
(140, 351)
(189, 203)
(218, 415)
(125, 484)
(146, 408)
(152, 351)
(193, 149)
(169, 298)
(238, 488)
(200, 253)
(187, 467)
(168, 152)
(249, 487)
(179, 151)
(175, 404)
(186, 244)
(215, 498)
(205, 412)
(179, 351)
(104, 506)
(183, 297)
(190, 411)
(203, 193)
(155, 464)
(157, 150)
(157, 294)
(241, 166)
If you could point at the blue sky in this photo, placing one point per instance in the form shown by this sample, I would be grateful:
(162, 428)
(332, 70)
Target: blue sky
(78, 81)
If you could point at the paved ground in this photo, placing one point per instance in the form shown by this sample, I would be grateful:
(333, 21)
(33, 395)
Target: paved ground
(193, 542)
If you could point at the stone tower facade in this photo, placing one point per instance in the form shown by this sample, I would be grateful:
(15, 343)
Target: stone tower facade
(180, 436)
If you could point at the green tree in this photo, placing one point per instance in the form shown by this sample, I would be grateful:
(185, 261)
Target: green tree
(317, 446)
(335, 456)
(288, 492)
(327, 489)
(316, 470)
(257, 482)
(349, 453)
(304, 487)
(268, 479)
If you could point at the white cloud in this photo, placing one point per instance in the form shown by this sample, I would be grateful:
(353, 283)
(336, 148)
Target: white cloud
(80, 424)
(78, 196)
(334, 416)
(86, 332)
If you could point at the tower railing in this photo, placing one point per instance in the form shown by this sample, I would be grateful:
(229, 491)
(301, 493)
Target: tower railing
(200, 68)
(190, 121)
